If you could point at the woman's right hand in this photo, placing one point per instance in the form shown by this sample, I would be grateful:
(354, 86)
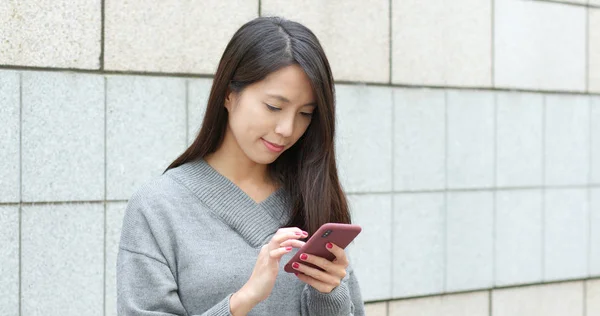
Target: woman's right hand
(262, 280)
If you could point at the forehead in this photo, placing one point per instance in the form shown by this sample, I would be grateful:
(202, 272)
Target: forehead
(290, 82)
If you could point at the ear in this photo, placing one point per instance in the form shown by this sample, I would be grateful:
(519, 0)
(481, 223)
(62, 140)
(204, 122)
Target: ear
(229, 100)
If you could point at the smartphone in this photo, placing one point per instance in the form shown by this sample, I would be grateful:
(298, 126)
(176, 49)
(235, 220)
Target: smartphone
(335, 233)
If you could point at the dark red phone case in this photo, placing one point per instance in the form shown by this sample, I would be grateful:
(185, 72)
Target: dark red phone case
(340, 235)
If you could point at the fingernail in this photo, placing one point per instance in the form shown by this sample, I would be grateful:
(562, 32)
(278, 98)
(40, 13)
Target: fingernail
(296, 273)
(295, 265)
(303, 256)
(329, 245)
(298, 234)
(288, 248)
(304, 233)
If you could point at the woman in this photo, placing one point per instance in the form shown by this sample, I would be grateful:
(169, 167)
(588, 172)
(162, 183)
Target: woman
(208, 236)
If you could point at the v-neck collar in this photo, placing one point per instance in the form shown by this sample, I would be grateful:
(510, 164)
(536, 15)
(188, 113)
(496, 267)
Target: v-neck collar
(253, 221)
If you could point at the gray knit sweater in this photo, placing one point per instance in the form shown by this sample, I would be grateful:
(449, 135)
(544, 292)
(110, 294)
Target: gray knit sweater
(190, 239)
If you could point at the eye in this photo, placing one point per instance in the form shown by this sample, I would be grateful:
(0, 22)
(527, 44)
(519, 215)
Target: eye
(306, 114)
(272, 108)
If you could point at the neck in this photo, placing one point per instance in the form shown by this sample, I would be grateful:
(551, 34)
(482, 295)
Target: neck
(231, 161)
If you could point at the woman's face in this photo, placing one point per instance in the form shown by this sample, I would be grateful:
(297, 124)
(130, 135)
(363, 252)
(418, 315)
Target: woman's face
(269, 116)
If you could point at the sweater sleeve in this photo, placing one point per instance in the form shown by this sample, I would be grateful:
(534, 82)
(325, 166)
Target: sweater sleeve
(146, 284)
(344, 300)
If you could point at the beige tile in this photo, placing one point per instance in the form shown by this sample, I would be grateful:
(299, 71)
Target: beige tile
(472, 304)
(594, 50)
(549, 300)
(171, 36)
(50, 33)
(376, 309)
(539, 45)
(593, 297)
(441, 42)
(354, 34)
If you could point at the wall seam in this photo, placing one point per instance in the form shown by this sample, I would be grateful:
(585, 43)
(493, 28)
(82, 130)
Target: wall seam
(392, 196)
(445, 217)
(493, 27)
(587, 49)
(102, 15)
(390, 33)
(105, 193)
(495, 192)
(20, 210)
(543, 189)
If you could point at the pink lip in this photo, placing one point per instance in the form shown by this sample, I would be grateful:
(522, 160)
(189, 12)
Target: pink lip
(272, 147)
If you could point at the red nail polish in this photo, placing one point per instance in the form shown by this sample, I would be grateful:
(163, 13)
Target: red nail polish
(296, 273)
(296, 265)
(329, 245)
(303, 256)
(288, 248)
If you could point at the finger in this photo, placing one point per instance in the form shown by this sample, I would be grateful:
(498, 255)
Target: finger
(279, 252)
(293, 242)
(337, 269)
(318, 285)
(339, 253)
(316, 274)
(283, 235)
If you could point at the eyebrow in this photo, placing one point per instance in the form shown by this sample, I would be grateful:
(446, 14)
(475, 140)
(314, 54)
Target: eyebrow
(284, 99)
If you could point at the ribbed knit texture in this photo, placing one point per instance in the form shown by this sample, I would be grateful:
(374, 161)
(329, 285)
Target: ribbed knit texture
(190, 239)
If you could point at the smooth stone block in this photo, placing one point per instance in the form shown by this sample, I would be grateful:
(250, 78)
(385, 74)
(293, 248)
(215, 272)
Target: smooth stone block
(51, 33)
(419, 139)
(566, 234)
(357, 51)
(10, 136)
(419, 244)
(549, 300)
(146, 130)
(595, 232)
(539, 45)
(470, 139)
(442, 43)
(518, 237)
(519, 139)
(9, 260)
(114, 220)
(472, 304)
(567, 140)
(63, 136)
(364, 138)
(593, 297)
(198, 91)
(469, 240)
(373, 247)
(593, 46)
(595, 150)
(171, 36)
(62, 259)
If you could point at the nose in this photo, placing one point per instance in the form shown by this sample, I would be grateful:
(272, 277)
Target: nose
(285, 126)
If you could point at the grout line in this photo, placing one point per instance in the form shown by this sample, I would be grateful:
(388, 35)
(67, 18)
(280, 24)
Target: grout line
(584, 305)
(259, 8)
(490, 302)
(493, 288)
(585, 5)
(589, 190)
(105, 194)
(543, 200)
(445, 215)
(390, 46)
(20, 209)
(495, 193)
(493, 61)
(340, 82)
(102, 14)
(187, 114)
(525, 188)
(393, 167)
(587, 49)
(387, 308)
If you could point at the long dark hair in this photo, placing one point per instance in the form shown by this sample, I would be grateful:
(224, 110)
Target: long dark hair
(307, 170)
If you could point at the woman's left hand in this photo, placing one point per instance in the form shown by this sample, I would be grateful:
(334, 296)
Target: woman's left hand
(323, 281)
